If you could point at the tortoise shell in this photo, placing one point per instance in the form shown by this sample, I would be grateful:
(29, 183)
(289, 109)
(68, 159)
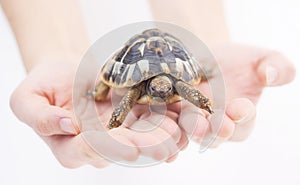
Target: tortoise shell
(147, 55)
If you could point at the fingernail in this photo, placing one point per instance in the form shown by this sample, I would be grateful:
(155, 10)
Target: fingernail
(67, 126)
(271, 74)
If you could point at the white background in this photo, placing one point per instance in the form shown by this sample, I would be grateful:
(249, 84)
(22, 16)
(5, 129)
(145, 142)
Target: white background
(270, 156)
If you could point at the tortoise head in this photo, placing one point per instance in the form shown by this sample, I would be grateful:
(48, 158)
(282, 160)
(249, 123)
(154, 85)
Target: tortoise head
(160, 87)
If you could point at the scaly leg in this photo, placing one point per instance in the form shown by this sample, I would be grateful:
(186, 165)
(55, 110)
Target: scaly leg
(122, 110)
(100, 92)
(194, 96)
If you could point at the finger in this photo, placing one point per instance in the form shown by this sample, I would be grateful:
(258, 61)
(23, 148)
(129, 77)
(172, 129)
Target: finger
(170, 126)
(172, 158)
(242, 113)
(165, 122)
(183, 142)
(219, 131)
(45, 119)
(275, 69)
(152, 141)
(225, 129)
(99, 163)
(114, 145)
(193, 121)
(147, 144)
(237, 123)
(72, 151)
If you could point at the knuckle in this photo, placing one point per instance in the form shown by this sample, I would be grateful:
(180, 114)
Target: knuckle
(43, 127)
(18, 95)
(12, 100)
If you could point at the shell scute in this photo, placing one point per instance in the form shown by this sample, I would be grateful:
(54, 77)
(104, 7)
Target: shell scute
(149, 54)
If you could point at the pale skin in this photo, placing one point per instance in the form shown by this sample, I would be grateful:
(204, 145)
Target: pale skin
(246, 70)
(53, 43)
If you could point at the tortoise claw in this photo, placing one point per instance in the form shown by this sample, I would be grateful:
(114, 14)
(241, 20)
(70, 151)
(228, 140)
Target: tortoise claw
(90, 93)
(209, 109)
(113, 124)
(208, 106)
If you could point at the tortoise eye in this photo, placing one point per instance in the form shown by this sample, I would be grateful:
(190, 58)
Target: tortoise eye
(152, 88)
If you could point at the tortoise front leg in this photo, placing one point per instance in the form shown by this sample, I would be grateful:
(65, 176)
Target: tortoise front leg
(100, 92)
(122, 110)
(194, 96)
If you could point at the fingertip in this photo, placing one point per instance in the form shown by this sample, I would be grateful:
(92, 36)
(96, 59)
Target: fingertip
(275, 69)
(242, 113)
(193, 122)
(226, 129)
(153, 147)
(53, 120)
(172, 158)
(101, 163)
(241, 110)
(67, 126)
(160, 154)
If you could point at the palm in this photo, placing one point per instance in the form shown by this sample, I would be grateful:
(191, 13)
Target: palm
(239, 65)
(244, 70)
(44, 99)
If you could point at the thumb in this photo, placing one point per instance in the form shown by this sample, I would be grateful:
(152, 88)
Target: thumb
(45, 119)
(275, 69)
(53, 120)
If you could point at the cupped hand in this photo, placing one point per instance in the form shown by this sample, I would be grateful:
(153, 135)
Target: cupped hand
(246, 72)
(44, 102)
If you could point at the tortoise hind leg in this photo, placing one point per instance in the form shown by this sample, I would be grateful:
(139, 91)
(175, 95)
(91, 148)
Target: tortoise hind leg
(122, 110)
(100, 92)
(194, 96)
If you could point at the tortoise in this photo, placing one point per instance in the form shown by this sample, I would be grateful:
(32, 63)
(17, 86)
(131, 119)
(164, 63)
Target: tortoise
(155, 68)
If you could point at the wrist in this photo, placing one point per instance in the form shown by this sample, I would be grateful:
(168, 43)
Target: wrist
(74, 57)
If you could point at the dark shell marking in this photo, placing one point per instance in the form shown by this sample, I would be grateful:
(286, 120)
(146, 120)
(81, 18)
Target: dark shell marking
(149, 54)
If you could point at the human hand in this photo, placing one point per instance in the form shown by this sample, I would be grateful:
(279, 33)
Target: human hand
(44, 102)
(246, 71)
